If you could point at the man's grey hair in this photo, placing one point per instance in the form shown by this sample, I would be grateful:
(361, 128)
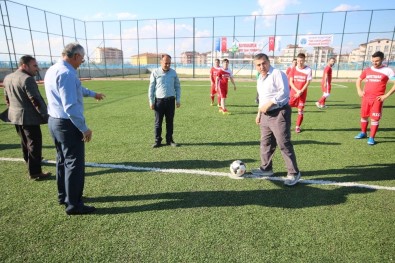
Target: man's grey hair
(73, 48)
(260, 56)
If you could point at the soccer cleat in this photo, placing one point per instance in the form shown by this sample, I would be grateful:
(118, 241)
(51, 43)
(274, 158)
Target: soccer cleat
(218, 105)
(212, 104)
(292, 179)
(226, 112)
(220, 109)
(360, 135)
(371, 141)
(298, 130)
(260, 172)
(318, 105)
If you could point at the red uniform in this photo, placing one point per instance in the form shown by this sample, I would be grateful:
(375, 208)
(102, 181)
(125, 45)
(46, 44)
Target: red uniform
(288, 71)
(375, 84)
(213, 75)
(300, 78)
(223, 76)
(327, 85)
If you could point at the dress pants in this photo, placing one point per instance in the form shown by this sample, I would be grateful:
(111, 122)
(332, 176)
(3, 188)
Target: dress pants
(31, 144)
(276, 131)
(70, 161)
(164, 108)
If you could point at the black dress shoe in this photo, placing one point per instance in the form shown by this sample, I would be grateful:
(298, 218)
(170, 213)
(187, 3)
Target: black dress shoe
(40, 176)
(172, 144)
(156, 145)
(81, 210)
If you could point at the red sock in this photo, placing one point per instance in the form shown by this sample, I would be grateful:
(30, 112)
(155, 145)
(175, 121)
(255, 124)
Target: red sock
(374, 126)
(364, 126)
(322, 100)
(299, 120)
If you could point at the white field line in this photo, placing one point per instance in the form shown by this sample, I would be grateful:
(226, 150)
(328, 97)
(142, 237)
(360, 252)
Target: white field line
(334, 85)
(201, 172)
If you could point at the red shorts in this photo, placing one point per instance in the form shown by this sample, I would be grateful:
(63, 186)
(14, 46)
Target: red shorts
(371, 107)
(223, 92)
(298, 102)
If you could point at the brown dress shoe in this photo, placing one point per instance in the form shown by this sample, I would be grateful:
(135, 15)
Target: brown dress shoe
(40, 176)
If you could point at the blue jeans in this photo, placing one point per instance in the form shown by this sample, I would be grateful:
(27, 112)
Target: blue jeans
(70, 161)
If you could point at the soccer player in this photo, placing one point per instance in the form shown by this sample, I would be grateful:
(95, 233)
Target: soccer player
(221, 83)
(326, 83)
(289, 69)
(373, 95)
(299, 80)
(213, 76)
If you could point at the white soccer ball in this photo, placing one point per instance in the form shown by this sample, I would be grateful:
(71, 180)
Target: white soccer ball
(238, 168)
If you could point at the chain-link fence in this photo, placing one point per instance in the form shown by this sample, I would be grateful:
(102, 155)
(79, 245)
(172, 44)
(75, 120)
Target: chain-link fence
(131, 48)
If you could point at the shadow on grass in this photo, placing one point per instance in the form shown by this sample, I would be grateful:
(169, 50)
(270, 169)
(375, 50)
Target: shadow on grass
(18, 146)
(301, 196)
(358, 173)
(314, 142)
(9, 146)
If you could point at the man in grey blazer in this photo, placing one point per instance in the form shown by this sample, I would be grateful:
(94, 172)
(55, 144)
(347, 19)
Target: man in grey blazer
(27, 110)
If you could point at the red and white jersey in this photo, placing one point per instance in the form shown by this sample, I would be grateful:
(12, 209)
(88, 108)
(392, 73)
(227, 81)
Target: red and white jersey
(289, 70)
(328, 72)
(301, 76)
(223, 77)
(213, 73)
(376, 80)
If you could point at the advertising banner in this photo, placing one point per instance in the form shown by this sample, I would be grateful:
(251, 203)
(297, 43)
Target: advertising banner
(315, 40)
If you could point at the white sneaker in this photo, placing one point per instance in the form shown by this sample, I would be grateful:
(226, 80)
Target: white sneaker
(292, 179)
(259, 172)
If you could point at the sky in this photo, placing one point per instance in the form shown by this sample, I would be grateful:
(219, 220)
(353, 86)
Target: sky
(131, 9)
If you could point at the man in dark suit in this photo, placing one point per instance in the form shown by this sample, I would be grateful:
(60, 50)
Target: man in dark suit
(27, 110)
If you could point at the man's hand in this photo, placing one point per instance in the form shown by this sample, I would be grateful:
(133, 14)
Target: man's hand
(266, 107)
(99, 96)
(87, 136)
(361, 93)
(258, 118)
